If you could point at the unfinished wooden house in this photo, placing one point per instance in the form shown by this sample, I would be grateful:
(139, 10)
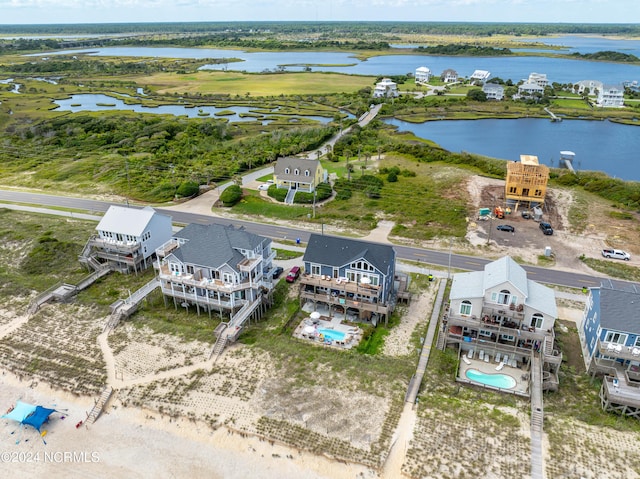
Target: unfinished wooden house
(526, 183)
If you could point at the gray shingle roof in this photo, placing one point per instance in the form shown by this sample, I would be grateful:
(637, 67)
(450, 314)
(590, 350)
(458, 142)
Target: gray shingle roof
(335, 251)
(214, 245)
(292, 163)
(620, 310)
(505, 269)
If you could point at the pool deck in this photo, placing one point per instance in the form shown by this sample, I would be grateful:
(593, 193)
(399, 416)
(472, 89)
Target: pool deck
(353, 334)
(521, 376)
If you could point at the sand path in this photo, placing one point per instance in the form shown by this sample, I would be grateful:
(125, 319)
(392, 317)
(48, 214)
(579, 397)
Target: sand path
(399, 444)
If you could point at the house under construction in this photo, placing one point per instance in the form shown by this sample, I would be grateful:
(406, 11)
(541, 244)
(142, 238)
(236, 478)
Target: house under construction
(526, 183)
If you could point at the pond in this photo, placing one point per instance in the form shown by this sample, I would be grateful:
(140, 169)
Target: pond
(99, 102)
(598, 145)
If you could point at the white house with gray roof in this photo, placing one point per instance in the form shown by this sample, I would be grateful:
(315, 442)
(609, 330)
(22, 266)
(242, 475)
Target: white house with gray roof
(126, 238)
(499, 311)
(610, 339)
(217, 268)
(349, 276)
(610, 96)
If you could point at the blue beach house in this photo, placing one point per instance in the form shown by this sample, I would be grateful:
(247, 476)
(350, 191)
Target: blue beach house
(610, 338)
(350, 277)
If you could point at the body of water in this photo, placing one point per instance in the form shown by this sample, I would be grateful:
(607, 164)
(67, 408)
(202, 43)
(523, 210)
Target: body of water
(514, 68)
(98, 102)
(589, 44)
(599, 145)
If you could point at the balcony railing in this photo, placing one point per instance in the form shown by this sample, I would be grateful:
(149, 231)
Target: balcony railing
(346, 302)
(124, 247)
(507, 327)
(249, 264)
(167, 276)
(340, 284)
(618, 351)
(619, 392)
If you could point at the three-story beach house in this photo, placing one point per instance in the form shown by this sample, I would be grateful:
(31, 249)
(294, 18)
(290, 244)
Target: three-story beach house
(126, 239)
(500, 313)
(350, 277)
(217, 268)
(610, 339)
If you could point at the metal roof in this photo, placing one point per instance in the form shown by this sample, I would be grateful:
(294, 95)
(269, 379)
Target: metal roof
(127, 221)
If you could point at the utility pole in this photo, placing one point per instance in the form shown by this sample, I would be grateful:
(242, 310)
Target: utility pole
(314, 204)
(126, 165)
(449, 268)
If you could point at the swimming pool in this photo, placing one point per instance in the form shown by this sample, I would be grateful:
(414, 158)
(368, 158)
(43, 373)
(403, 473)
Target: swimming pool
(502, 381)
(332, 334)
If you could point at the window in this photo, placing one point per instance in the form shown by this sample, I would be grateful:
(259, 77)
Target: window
(507, 337)
(637, 343)
(465, 308)
(538, 193)
(306, 172)
(287, 171)
(486, 334)
(503, 297)
(513, 189)
(315, 269)
(536, 320)
(617, 338)
(296, 172)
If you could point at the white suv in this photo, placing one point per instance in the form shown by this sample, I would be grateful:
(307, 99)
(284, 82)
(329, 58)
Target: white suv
(616, 253)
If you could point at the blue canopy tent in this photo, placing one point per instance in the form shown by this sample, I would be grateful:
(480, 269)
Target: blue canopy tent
(28, 414)
(38, 417)
(20, 411)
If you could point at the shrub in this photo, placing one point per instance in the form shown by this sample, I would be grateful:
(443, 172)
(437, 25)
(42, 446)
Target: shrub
(278, 194)
(392, 177)
(231, 195)
(187, 188)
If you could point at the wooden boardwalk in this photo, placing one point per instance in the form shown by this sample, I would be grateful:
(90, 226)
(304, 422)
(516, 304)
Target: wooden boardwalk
(416, 379)
(537, 419)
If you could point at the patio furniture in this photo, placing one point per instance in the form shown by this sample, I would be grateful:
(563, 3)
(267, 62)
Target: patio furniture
(498, 357)
(635, 352)
(487, 358)
(481, 355)
(466, 361)
(470, 354)
(500, 366)
(505, 359)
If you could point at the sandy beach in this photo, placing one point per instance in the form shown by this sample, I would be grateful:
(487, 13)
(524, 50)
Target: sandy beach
(135, 444)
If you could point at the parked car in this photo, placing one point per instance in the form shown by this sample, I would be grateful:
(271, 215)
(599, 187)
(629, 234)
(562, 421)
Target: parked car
(616, 253)
(546, 228)
(509, 228)
(264, 186)
(276, 272)
(526, 215)
(293, 274)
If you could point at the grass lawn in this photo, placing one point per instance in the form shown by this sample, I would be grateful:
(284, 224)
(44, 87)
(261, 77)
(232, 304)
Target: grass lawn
(236, 83)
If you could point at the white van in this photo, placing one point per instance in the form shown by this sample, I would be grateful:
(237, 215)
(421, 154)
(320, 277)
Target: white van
(616, 253)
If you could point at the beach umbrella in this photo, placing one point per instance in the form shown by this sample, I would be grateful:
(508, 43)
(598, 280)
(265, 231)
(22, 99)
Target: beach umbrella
(315, 315)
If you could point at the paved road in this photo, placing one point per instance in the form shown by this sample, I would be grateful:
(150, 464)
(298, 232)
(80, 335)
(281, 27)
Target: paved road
(422, 256)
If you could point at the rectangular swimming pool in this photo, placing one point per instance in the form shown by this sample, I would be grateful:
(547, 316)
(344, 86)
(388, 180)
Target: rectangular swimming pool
(332, 334)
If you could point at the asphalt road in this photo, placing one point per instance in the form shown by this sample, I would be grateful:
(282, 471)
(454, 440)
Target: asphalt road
(452, 262)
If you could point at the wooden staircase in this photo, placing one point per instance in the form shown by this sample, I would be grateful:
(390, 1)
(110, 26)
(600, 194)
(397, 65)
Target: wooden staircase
(98, 407)
(221, 342)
